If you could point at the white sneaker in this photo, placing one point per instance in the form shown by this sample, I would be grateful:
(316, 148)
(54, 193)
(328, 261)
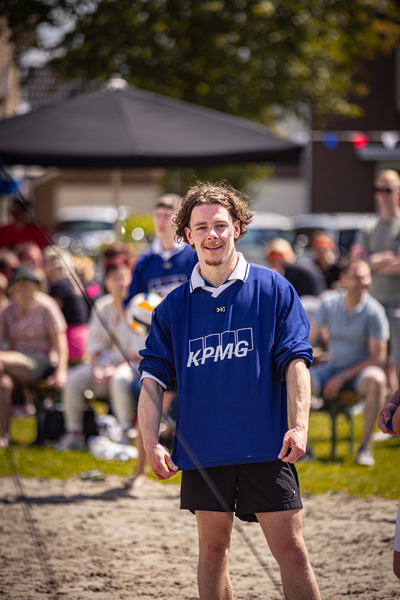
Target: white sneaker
(365, 458)
(71, 441)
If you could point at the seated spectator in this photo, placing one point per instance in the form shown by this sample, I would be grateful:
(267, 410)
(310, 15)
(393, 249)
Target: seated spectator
(30, 253)
(108, 374)
(59, 267)
(305, 276)
(358, 333)
(33, 328)
(325, 257)
(22, 228)
(389, 422)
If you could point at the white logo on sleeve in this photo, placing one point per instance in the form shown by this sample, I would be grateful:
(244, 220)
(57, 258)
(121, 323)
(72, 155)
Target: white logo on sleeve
(220, 346)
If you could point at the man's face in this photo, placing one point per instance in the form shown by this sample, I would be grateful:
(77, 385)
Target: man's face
(386, 193)
(213, 233)
(163, 221)
(357, 280)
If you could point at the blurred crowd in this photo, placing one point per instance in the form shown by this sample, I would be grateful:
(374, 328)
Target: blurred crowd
(67, 321)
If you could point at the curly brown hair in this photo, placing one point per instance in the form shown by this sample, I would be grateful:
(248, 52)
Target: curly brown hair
(213, 193)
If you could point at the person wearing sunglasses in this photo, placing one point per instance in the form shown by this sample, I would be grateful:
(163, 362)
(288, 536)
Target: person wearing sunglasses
(380, 244)
(34, 342)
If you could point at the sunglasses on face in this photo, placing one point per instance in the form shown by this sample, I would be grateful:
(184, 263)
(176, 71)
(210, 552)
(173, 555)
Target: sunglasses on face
(23, 279)
(385, 190)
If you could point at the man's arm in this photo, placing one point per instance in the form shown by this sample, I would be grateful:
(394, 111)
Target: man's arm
(377, 356)
(385, 263)
(149, 414)
(299, 396)
(315, 334)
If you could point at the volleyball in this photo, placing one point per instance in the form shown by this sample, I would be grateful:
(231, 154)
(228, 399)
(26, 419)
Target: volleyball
(140, 310)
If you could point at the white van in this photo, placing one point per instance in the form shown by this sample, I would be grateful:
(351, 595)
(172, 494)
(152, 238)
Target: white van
(84, 229)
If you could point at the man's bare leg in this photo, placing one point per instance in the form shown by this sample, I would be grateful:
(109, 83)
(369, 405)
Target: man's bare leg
(15, 365)
(215, 530)
(283, 533)
(373, 388)
(142, 469)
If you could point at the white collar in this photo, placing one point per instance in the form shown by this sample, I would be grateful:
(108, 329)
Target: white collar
(241, 271)
(157, 249)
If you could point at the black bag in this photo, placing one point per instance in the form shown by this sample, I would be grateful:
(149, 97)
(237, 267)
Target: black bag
(51, 422)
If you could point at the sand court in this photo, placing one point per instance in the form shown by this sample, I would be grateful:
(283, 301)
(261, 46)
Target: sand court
(107, 544)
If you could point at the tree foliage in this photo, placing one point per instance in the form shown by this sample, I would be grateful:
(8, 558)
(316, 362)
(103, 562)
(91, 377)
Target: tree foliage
(22, 17)
(245, 57)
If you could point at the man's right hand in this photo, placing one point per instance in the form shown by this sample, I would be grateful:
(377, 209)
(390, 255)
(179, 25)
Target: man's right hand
(161, 462)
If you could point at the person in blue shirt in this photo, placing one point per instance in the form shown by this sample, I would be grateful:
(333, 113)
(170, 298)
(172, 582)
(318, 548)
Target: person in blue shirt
(164, 267)
(389, 422)
(167, 264)
(235, 340)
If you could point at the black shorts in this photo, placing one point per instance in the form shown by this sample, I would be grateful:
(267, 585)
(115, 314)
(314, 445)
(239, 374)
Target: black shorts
(246, 489)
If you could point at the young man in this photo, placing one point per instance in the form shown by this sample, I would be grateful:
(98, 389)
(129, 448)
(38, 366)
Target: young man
(380, 244)
(167, 263)
(235, 337)
(358, 333)
(164, 267)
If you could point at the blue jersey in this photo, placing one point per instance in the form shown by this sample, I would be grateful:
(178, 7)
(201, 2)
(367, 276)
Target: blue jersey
(155, 273)
(228, 355)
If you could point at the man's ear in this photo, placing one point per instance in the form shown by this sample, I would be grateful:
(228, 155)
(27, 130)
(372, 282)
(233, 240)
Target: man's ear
(236, 232)
(189, 236)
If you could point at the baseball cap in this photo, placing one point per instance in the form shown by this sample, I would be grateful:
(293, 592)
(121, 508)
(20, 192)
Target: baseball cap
(25, 272)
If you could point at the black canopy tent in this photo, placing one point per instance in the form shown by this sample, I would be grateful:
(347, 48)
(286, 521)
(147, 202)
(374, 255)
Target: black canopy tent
(123, 127)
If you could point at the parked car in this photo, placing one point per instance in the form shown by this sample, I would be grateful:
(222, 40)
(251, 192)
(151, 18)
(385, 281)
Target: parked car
(344, 228)
(84, 229)
(265, 227)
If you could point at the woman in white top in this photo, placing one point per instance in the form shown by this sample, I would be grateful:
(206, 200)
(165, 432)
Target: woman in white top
(108, 374)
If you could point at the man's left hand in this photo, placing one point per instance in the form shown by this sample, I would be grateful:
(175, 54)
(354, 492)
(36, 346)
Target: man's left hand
(294, 445)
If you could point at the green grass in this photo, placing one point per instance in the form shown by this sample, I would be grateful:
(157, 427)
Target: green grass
(317, 476)
(323, 475)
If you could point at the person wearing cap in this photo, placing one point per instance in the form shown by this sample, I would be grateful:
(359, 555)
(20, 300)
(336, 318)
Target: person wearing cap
(325, 257)
(167, 264)
(22, 228)
(305, 276)
(33, 327)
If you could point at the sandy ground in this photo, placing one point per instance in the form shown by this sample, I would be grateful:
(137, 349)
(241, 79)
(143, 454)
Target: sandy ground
(104, 543)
